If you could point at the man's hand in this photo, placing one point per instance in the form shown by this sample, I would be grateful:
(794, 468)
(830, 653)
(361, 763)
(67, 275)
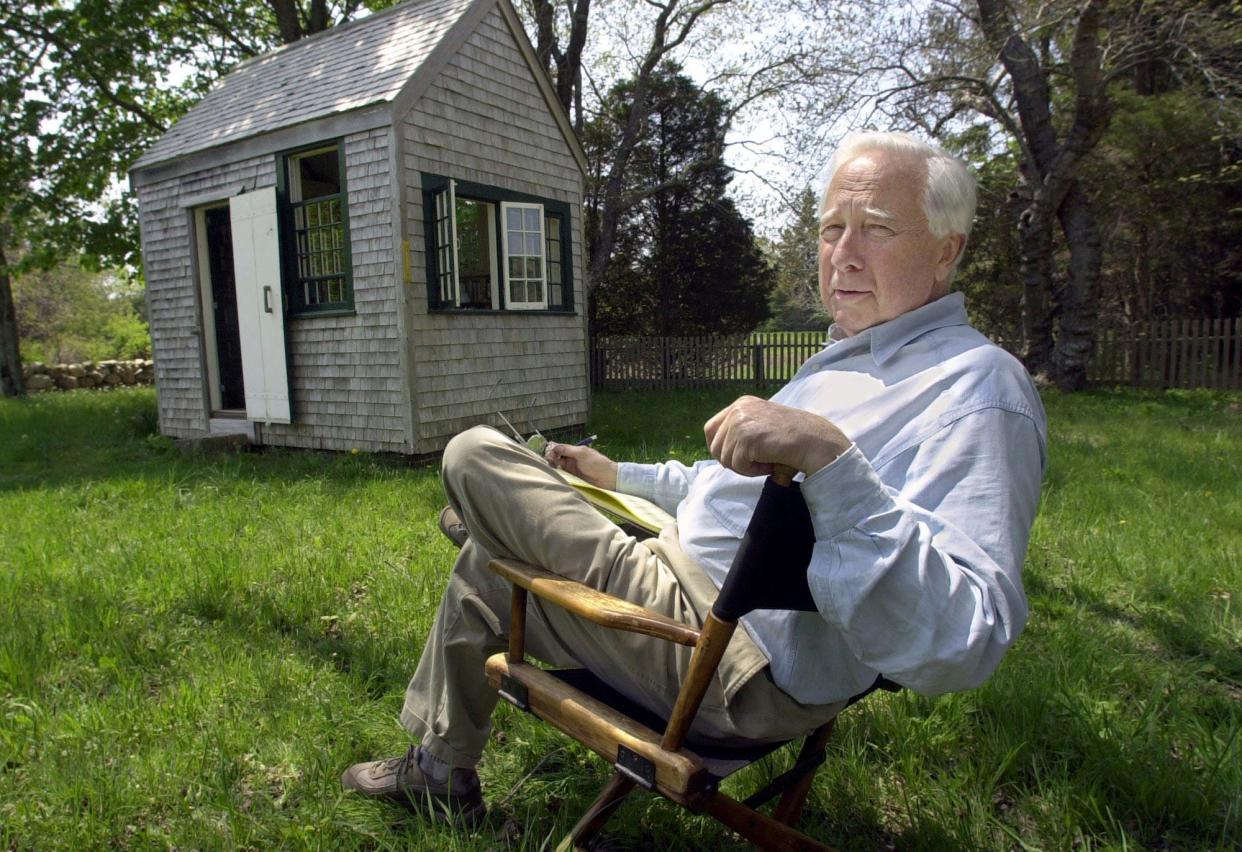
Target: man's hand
(591, 465)
(752, 434)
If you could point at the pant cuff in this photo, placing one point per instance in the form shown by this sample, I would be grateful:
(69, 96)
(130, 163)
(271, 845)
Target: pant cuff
(435, 745)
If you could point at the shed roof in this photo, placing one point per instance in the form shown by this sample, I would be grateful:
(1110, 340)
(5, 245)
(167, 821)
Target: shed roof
(361, 63)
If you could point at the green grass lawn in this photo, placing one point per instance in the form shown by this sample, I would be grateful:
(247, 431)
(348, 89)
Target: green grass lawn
(193, 648)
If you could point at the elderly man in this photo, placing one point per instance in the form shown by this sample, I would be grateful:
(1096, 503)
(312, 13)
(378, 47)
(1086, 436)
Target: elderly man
(921, 447)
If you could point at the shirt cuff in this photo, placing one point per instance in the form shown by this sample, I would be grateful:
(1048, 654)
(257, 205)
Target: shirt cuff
(637, 479)
(843, 494)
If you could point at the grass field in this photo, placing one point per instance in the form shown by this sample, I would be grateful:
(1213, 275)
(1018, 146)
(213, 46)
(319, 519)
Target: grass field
(192, 648)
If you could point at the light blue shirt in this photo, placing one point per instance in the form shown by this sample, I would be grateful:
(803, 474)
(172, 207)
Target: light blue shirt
(921, 527)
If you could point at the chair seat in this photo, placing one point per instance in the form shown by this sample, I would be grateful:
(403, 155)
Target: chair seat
(721, 760)
(582, 706)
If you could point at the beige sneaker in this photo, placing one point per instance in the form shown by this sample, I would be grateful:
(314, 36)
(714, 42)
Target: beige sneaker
(401, 780)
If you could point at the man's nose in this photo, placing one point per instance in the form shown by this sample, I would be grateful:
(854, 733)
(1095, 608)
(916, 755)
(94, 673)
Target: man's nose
(846, 254)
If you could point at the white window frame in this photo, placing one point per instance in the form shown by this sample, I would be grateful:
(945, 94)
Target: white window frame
(446, 243)
(542, 304)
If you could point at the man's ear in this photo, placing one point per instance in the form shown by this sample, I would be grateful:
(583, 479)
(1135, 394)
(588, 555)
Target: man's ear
(951, 248)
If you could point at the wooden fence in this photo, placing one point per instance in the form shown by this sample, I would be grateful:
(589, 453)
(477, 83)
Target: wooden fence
(687, 362)
(1202, 353)
(1162, 354)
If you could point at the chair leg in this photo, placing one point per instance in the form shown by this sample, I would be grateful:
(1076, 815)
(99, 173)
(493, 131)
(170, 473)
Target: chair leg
(789, 808)
(597, 814)
(760, 829)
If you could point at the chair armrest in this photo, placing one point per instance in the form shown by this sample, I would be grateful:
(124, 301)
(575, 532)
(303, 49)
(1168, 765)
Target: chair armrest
(592, 604)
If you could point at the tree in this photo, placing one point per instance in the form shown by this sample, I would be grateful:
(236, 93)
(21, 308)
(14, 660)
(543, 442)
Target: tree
(1168, 184)
(644, 36)
(686, 260)
(796, 304)
(67, 313)
(85, 88)
(1043, 78)
(560, 39)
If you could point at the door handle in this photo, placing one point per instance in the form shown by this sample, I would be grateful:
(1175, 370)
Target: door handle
(267, 299)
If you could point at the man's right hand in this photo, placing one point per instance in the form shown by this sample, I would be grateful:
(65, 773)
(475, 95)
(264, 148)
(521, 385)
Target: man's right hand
(584, 462)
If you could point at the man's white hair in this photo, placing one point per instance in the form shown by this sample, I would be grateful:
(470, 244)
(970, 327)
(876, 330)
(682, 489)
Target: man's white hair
(949, 197)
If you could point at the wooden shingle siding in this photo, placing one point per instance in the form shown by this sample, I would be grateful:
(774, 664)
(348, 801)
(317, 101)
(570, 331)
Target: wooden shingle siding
(344, 371)
(484, 120)
(172, 294)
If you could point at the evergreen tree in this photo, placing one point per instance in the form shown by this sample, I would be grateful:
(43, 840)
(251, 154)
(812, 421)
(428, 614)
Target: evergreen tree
(685, 259)
(796, 303)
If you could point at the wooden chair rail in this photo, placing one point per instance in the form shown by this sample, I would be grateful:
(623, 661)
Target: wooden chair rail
(678, 774)
(598, 607)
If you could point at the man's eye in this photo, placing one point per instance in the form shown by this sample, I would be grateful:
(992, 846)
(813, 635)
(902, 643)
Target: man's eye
(879, 230)
(831, 232)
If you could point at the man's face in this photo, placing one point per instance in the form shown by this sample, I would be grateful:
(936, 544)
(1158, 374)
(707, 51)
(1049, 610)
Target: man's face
(877, 257)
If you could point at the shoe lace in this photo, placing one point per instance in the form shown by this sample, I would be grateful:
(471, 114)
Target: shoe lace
(399, 765)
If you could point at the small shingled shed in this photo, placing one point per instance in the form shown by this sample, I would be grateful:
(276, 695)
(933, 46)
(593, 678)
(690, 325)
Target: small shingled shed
(372, 239)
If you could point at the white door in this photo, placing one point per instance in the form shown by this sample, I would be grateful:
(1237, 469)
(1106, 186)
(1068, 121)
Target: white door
(260, 305)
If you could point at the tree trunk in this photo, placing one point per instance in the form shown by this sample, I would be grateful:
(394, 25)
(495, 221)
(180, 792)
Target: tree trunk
(286, 12)
(1076, 310)
(565, 66)
(11, 381)
(1034, 226)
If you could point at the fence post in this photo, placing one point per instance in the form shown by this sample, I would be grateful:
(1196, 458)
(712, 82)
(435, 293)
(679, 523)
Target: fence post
(757, 357)
(1236, 346)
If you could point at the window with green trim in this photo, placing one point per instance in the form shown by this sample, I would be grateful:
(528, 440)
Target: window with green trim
(318, 275)
(490, 249)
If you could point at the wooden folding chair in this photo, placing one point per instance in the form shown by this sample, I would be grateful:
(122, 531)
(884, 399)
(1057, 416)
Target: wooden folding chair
(768, 573)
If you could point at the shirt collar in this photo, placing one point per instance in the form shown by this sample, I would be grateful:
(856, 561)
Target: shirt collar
(887, 338)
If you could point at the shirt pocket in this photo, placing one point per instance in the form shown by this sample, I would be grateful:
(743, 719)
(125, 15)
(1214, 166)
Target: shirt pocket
(732, 515)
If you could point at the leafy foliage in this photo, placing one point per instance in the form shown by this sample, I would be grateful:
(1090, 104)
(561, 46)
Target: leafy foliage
(685, 260)
(795, 303)
(1167, 179)
(67, 314)
(85, 87)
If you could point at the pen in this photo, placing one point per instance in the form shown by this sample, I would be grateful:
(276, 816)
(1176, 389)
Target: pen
(587, 441)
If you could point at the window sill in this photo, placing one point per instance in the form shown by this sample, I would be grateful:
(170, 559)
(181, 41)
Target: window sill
(474, 312)
(336, 312)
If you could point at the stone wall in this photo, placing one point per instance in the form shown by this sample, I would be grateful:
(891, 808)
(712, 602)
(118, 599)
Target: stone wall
(89, 374)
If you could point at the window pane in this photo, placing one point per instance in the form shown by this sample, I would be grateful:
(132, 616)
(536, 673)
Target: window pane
(515, 267)
(534, 291)
(532, 244)
(513, 219)
(530, 219)
(475, 252)
(532, 267)
(319, 237)
(319, 174)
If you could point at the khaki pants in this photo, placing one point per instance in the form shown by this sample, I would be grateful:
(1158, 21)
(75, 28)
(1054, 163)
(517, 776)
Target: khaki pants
(516, 506)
